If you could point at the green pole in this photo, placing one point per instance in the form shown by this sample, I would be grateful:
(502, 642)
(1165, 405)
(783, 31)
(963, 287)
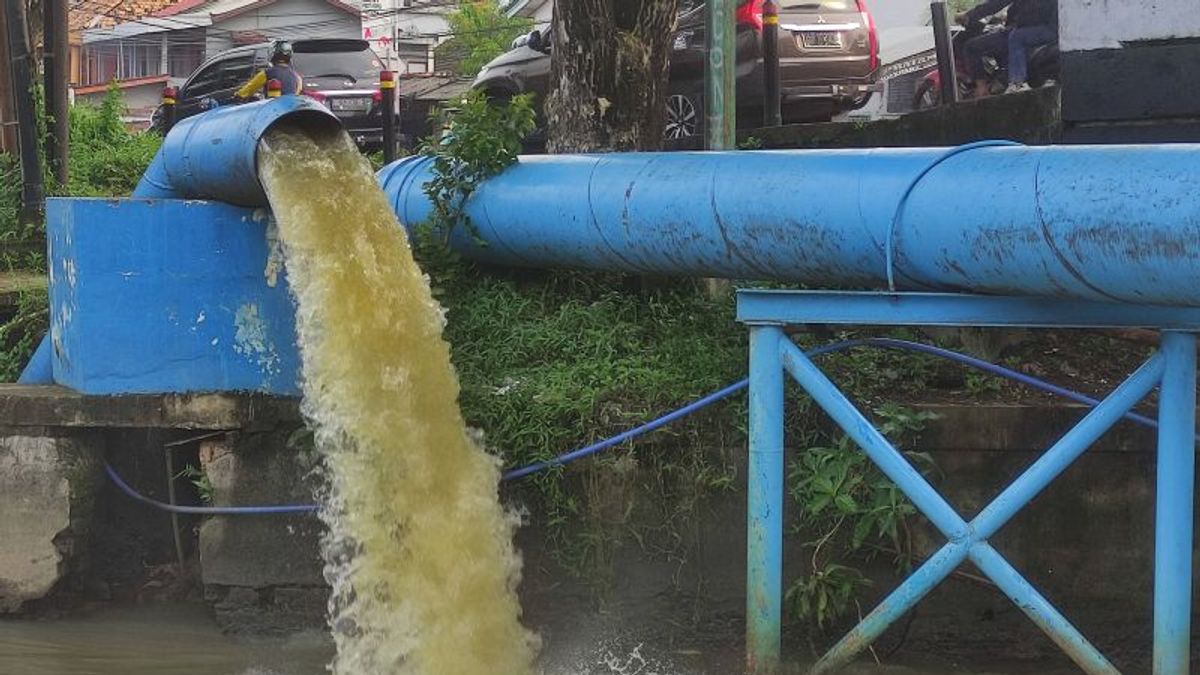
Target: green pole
(720, 100)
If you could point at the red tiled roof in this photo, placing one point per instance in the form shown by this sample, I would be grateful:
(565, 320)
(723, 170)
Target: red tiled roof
(180, 7)
(87, 14)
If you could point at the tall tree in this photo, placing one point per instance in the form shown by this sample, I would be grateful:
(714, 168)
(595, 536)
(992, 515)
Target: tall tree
(608, 74)
(481, 33)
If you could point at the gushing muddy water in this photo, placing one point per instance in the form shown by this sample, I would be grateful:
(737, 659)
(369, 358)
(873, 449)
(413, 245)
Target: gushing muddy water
(419, 551)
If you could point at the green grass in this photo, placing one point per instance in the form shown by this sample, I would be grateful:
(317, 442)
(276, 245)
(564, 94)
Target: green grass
(558, 360)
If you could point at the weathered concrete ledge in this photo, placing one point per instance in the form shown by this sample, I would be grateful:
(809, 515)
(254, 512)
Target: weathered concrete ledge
(1032, 117)
(54, 406)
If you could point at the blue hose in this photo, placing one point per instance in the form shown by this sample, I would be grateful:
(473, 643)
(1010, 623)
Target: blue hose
(881, 343)
(626, 435)
(205, 510)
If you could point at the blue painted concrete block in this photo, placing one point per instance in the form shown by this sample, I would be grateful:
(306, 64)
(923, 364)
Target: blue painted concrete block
(154, 296)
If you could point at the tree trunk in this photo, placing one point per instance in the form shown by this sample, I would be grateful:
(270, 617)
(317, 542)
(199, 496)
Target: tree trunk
(608, 74)
(20, 57)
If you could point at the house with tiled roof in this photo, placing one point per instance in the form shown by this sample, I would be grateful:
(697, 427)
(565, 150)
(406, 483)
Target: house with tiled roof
(143, 45)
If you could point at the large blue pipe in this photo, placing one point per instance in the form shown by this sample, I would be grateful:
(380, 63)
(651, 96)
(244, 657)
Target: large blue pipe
(209, 156)
(214, 155)
(1111, 223)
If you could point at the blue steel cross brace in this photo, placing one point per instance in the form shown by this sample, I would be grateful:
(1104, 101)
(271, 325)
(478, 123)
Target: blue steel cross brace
(1172, 369)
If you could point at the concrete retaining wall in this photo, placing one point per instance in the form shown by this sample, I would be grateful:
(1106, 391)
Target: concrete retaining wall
(47, 483)
(1086, 543)
(1031, 117)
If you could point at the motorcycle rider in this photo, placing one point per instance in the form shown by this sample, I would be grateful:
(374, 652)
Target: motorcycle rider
(1029, 24)
(280, 69)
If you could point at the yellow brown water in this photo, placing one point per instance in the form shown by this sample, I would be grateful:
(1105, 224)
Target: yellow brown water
(419, 550)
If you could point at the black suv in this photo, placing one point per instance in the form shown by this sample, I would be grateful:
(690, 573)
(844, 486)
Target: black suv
(342, 74)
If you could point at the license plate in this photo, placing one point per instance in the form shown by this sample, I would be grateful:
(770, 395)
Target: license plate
(821, 39)
(358, 104)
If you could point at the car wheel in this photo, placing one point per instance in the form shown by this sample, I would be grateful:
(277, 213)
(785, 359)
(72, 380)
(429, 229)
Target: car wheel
(683, 118)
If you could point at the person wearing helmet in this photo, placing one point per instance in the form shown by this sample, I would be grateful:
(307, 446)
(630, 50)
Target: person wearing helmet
(280, 69)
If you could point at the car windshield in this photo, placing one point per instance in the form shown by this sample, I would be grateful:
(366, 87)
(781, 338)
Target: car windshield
(357, 65)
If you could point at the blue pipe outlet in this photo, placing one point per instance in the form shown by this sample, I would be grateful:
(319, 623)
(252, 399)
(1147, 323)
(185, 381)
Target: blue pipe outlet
(1107, 223)
(214, 155)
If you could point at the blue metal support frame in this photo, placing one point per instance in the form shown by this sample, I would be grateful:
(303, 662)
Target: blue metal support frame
(764, 538)
(1174, 368)
(1173, 510)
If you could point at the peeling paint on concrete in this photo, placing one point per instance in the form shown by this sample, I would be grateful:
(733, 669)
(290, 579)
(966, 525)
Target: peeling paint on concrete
(69, 270)
(174, 328)
(251, 339)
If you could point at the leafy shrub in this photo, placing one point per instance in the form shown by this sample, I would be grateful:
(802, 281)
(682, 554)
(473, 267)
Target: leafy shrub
(479, 141)
(20, 335)
(107, 159)
(855, 513)
(10, 197)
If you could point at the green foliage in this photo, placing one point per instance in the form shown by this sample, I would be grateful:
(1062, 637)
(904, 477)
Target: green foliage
(855, 511)
(750, 143)
(480, 140)
(555, 361)
(376, 158)
(881, 373)
(107, 160)
(481, 33)
(826, 594)
(980, 384)
(582, 357)
(10, 199)
(199, 480)
(20, 335)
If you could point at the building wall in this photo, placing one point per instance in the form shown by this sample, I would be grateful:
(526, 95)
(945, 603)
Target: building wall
(397, 27)
(1108, 24)
(543, 14)
(1128, 70)
(140, 101)
(540, 11)
(286, 19)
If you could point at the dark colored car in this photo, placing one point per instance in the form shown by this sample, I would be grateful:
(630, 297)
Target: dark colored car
(828, 56)
(342, 74)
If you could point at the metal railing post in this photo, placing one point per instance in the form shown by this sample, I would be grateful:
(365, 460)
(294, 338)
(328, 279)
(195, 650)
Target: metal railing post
(764, 512)
(168, 109)
(944, 46)
(772, 106)
(387, 90)
(1173, 505)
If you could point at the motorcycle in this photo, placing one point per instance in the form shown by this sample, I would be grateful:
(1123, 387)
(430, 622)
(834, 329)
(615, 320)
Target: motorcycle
(1043, 68)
